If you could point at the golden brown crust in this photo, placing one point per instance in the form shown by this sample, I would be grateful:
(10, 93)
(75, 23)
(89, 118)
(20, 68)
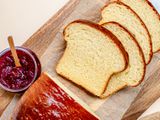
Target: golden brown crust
(118, 89)
(139, 48)
(108, 34)
(140, 52)
(150, 41)
(30, 99)
(156, 12)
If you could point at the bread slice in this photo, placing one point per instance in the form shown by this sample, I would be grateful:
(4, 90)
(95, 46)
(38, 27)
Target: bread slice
(92, 55)
(48, 99)
(150, 17)
(135, 71)
(119, 12)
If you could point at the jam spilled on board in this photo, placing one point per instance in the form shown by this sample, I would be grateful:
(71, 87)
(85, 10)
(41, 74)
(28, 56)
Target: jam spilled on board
(45, 100)
(13, 77)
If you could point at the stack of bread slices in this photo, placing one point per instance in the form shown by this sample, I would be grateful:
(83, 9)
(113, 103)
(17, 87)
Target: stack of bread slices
(110, 55)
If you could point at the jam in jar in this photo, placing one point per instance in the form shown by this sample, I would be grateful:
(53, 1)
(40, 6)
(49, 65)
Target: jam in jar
(17, 79)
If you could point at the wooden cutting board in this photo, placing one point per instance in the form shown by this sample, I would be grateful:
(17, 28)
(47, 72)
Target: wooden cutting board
(49, 45)
(147, 95)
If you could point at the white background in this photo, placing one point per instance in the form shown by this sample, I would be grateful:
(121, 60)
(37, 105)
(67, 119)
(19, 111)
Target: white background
(21, 18)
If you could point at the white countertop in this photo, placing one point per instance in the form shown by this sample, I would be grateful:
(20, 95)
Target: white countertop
(21, 18)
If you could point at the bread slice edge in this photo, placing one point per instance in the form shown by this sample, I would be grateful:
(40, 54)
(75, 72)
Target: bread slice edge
(154, 10)
(106, 33)
(141, 54)
(136, 15)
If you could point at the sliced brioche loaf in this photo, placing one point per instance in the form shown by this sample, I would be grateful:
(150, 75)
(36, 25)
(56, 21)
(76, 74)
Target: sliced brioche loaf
(92, 55)
(118, 12)
(150, 17)
(135, 71)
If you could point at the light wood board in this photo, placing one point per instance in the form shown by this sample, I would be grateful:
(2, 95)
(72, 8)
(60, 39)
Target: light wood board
(49, 45)
(149, 93)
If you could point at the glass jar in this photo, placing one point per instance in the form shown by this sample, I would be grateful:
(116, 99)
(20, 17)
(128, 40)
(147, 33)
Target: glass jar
(18, 79)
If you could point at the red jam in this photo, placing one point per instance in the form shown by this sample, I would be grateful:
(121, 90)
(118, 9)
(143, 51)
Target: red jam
(45, 100)
(18, 78)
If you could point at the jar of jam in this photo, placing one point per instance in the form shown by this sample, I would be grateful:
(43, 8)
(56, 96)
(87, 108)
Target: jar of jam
(18, 79)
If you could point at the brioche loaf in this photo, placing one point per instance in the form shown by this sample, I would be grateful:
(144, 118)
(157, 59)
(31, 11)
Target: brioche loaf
(150, 17)
(48, 99)
(122, 14)
(92, 55)
(135, 71)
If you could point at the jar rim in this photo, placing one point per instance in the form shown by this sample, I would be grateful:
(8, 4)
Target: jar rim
(27, 51)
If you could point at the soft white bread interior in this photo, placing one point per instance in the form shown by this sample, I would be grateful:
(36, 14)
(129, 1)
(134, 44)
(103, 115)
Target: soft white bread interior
(150, 17)
(92, 55)
(135, 71)
(122, 14)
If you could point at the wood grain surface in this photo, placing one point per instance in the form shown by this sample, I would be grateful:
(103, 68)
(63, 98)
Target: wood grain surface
(147, 95)
(153, 116)
(49, 45)
(45, 35)
(40, 41)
